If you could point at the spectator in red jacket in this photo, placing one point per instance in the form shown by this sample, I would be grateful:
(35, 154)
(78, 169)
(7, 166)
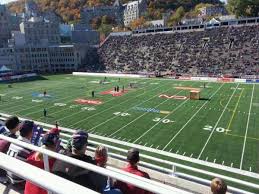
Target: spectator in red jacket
(49, 142)
(132, 167)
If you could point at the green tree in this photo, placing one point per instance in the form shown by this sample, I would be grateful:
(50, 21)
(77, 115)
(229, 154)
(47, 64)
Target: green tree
(105, 29)
(244, 7)
(177, 16)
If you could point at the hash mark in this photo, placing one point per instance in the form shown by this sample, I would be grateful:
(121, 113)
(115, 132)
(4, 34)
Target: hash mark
(231, 165)
(151, 146)
(223, 163)
(145, 144)
(170, 150)
(250, 169)
(157, 147)
(207, 159)
(177, 151)
(183, 153)
(214, 160)
(191, 155)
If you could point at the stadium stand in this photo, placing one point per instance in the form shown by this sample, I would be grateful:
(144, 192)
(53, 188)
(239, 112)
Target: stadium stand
(232, 50)
(162, 180)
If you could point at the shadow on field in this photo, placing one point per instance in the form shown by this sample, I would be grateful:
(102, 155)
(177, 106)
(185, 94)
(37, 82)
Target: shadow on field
(205, 99)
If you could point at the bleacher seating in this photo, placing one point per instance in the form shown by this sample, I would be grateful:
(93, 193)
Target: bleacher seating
(226, 50)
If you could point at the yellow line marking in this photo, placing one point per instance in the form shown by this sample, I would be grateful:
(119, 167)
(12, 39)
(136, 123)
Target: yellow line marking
(241, 136)
(234, 112)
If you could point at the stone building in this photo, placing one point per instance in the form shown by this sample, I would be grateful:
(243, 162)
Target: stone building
(123, 14)
(115, 11)
(55, 58)
(38, 30)
(213, 11)
(133, 10)
(5, 31)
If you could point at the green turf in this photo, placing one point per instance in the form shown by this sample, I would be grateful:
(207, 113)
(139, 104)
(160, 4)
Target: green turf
(224, 106)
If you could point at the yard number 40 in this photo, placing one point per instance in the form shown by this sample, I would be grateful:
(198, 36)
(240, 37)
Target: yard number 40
(122, 114)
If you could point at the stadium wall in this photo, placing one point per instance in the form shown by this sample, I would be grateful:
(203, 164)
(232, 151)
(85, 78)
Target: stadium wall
(108, 74)
(209, 79)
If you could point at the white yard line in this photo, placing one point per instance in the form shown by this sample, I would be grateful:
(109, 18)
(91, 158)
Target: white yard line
(142, 116)
(5, 105)
(157, 122)
(247, 125)
(72, 104)
(173, 111)
(105, 109)
(191, 118)
(217, 122)
(116, 115)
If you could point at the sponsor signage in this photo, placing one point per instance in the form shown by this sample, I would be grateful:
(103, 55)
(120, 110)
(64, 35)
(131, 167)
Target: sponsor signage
(151, 110)
(184, 78)
(173, 97)
(85, 101)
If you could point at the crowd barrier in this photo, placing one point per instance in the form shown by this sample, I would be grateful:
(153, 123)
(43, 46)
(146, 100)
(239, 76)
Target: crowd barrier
(141, 182)
(174, 169)
(252, 81)
(109, 74)
(187, 78)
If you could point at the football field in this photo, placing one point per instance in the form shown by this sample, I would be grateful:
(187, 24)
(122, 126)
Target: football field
(222, 127)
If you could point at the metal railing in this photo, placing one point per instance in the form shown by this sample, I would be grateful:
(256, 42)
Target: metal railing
(40, 177)
(174, 166)
(138, 181)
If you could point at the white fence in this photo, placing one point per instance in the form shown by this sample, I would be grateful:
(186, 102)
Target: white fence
(108, 74)
(140, 182)
(40, 177)
(174, 165)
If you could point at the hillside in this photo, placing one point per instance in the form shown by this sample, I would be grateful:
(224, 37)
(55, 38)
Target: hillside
(69, 10)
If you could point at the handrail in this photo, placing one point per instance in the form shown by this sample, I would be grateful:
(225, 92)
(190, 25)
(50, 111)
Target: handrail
(44, 179)
(140, 182)
(173, 164)
(152, 150)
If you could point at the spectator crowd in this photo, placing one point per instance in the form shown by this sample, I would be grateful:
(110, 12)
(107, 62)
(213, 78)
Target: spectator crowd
(76, 148)
(210, 52)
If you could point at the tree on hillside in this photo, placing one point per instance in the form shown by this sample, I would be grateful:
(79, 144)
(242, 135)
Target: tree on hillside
(69, 10)
(244, 7)
(177, 16)
(138, 23)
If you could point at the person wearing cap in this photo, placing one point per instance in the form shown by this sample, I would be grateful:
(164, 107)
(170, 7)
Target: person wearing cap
(49, 142)
(59, 147)
(76, 149)
(10, 129)
(132, 167)
(218, 186)
(19, 152)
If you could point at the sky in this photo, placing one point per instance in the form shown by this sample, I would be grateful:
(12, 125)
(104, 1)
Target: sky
(8, 1)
